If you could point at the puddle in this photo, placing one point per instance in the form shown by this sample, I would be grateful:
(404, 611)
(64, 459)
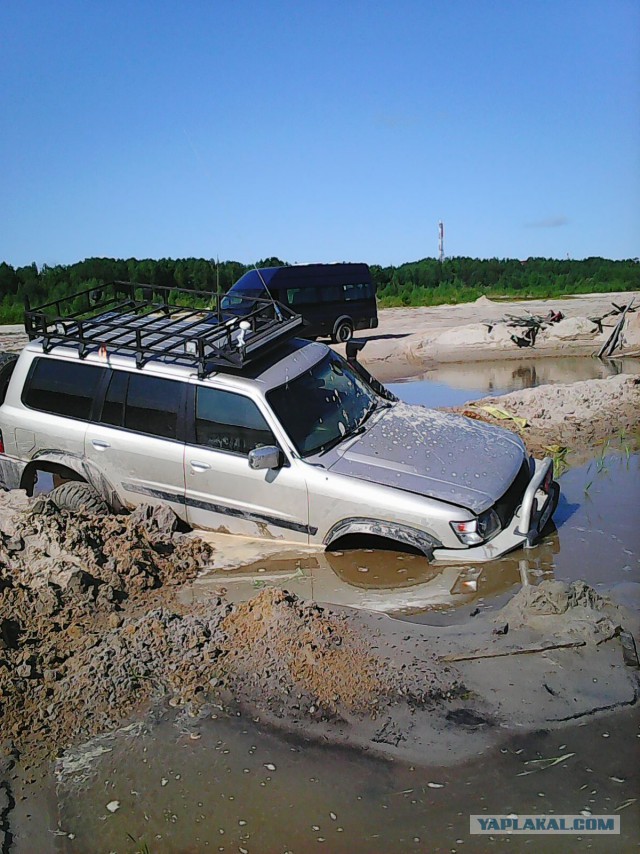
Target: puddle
(238, 788)
(455, 384)
(596, 538)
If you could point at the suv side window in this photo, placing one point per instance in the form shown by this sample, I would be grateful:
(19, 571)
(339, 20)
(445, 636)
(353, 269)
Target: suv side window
(152, 405)
(142, 403)
(229, 422)
(113, 406)
(62, 388)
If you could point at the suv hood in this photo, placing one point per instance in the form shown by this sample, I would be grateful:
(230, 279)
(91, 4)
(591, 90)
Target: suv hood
(428, 452)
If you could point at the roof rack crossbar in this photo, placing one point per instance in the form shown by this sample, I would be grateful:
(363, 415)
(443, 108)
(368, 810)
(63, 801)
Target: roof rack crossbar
(111, 329)
(152, 325)
(181, 321)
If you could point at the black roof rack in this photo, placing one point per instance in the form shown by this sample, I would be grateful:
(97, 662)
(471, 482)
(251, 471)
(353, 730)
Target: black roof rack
(140, 320)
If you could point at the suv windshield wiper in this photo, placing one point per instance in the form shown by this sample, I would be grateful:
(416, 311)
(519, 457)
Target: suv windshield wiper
(355, 431)
(375, 406)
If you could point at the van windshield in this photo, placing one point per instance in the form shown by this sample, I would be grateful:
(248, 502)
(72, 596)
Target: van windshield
(241, 298)
(322, 406)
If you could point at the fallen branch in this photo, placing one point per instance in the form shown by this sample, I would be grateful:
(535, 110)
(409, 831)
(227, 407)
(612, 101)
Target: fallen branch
(473, 656)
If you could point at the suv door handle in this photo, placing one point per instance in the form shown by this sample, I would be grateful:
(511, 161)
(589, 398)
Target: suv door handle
(99, 445)
(198, 466)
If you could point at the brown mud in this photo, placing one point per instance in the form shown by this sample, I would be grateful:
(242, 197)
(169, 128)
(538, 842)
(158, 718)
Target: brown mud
(91, 633)
(93, 641)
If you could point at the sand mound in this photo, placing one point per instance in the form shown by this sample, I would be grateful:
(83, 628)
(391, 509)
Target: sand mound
(64, 581)
(555, 608)
(299, 646)
(117, 556)
(87, 636)
(576, 415)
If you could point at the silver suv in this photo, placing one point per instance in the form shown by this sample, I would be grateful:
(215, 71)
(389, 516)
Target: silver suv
(241, 428)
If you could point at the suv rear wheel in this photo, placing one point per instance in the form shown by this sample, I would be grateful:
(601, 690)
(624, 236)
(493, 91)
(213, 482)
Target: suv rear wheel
(78, 497)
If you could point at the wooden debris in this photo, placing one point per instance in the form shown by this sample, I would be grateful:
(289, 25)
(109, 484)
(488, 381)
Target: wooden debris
(526, 650)
(612, 341)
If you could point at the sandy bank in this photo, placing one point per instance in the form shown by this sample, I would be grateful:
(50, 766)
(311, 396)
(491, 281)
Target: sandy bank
(580, 416)
(410, 339)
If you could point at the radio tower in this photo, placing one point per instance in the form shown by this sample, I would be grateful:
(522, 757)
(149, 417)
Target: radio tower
(441, 241)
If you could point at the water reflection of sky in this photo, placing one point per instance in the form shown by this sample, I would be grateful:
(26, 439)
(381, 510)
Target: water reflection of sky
(435, 394)
(455, 384)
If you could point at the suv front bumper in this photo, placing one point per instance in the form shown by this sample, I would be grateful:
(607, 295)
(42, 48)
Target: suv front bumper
(538, 506)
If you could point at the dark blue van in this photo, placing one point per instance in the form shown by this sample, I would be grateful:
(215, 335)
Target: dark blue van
(334, 299)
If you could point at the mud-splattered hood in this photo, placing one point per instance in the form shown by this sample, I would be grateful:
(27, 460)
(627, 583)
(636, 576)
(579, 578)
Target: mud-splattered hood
(447, 457)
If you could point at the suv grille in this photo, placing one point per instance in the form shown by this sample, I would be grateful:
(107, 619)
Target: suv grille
(506, 506)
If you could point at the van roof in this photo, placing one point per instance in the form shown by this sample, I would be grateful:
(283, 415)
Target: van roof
(303, 276)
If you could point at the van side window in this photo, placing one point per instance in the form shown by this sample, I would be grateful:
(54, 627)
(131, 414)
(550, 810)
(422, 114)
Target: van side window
(152, 405)
(62, 388)
(303, 296)
(331, 293)
(353, 292)
(229, 422)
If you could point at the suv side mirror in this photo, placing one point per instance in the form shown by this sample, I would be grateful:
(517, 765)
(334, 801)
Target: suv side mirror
(268, 457)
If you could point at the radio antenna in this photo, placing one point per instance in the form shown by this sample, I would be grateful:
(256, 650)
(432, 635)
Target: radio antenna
(264, 285)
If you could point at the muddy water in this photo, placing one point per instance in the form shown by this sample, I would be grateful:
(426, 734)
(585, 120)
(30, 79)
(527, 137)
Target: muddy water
(455, 384)
(238, 788)
(596, 538)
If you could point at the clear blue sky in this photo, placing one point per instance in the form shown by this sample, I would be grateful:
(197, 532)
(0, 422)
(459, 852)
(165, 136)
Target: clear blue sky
(319, 130)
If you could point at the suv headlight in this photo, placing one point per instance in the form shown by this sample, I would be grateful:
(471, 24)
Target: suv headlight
(479, 530)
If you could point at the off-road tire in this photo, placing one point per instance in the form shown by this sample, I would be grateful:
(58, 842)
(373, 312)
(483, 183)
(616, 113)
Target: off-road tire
(7, 364)
(343, 332)
(78, 497)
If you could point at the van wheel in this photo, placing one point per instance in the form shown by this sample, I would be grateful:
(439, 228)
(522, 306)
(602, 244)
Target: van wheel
(78, 497)
(342, 332)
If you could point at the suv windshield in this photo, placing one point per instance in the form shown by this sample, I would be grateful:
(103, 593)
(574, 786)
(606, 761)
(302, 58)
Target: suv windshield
(322, 406)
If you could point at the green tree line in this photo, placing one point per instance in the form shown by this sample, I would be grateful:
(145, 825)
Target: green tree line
(430, 282)
(424, 282)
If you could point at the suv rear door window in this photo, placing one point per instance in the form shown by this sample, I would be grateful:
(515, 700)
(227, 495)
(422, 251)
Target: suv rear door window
(113, 406)
(152, 405)
(63, 388)
(229, 422)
